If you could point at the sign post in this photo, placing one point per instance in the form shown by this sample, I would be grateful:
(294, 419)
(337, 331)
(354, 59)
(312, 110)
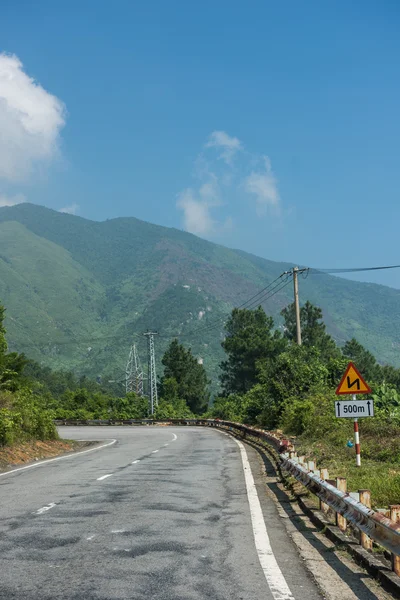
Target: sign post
(352, 383)
(357, 440)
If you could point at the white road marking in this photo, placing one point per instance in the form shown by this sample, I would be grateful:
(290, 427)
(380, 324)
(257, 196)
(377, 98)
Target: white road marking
(166, 445)
(175, 437)
(49, 460)
(104, 477)
(154, 451)
(118, 531)
(274, 576)
(135, 461)
(45, 508)
(90, 538)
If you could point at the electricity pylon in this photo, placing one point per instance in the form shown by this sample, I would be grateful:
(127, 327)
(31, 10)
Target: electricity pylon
(134, 373)
(152, 378)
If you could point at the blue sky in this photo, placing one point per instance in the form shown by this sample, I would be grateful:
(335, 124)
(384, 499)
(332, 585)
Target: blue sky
(267, 126)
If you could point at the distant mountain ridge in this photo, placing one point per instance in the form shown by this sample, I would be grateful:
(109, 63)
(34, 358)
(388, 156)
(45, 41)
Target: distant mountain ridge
(78, 293)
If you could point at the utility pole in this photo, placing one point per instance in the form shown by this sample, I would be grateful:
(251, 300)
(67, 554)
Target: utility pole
(134, 373)
(296, 304)
(152, 378)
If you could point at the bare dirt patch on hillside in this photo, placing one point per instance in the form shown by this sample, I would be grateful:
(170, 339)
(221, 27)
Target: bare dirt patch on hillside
(28, 452)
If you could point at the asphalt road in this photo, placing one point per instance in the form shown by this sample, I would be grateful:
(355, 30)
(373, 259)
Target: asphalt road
(166, 513)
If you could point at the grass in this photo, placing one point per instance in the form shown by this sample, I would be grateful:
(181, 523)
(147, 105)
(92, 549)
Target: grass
(380, 464)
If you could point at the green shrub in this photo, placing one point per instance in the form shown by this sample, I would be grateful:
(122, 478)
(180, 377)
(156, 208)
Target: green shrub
(22, 418)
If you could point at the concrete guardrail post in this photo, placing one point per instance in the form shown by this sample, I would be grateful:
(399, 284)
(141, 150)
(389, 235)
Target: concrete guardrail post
(324, 507)
(365, 498)
(341, 484)
(395, 516)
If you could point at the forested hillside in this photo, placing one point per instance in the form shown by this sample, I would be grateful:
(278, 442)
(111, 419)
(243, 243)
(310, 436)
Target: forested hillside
(79, 293)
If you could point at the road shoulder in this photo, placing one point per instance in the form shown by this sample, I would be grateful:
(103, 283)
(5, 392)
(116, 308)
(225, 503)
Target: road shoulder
(27, 453)
(334, 572)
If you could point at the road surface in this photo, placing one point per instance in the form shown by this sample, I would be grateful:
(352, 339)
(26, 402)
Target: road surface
(162, 512)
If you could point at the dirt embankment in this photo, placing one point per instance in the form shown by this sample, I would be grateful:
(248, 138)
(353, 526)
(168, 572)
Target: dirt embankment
(28, 452)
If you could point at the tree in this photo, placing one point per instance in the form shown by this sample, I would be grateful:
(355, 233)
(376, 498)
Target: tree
(190, 376)
(297, 372)
(363, 359)
(250, 338)
(11, 364)
(313, 329)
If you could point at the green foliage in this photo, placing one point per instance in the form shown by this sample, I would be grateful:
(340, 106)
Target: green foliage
(313, 416)
(313, 329)
(363, 359)
(387, 403)
(184, 378)
(176, 410)
(250, 339)
(23, 418)
(228, 408)
(11, 364)
(297, 372)
(275, 383)
(77, 289)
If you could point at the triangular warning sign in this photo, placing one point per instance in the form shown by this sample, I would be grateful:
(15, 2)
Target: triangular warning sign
(352, 382)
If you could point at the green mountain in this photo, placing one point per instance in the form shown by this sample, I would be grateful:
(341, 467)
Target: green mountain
(78, 293)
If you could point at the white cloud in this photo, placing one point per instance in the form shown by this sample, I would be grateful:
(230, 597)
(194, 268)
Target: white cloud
(220, 184)
(11, 200)
(225, 143)
(72, 209)
(196, 213)
(30, 121)
(264, 186)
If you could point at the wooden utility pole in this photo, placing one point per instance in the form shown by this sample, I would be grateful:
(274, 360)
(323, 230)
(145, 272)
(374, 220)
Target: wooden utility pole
(296, 304)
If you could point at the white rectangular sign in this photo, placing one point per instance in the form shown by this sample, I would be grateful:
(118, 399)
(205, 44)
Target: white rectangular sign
(351, 409)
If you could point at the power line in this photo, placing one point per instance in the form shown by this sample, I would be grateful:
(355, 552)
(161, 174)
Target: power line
(275, 290)
(353, 270)
(217, 320)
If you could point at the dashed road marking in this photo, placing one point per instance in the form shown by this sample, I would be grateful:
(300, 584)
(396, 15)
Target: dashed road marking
(274, 576)
(104, 477)
(154, 451)
(44, 509)
(135, 461)
(175, 437)
(90, 537)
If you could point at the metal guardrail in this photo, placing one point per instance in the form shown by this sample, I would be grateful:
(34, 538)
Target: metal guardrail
(377, 526)
(87, 422)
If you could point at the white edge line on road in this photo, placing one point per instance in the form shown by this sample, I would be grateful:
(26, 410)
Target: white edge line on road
(135, 461)
(274, 576)
(104, 477)
(154, 451)
(49, 460)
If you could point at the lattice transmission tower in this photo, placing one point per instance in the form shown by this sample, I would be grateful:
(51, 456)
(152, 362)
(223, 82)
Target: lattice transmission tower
(134, 373)
(152, 378)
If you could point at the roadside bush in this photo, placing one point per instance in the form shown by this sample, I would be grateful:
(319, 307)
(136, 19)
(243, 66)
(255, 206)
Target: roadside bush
(22, 418)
